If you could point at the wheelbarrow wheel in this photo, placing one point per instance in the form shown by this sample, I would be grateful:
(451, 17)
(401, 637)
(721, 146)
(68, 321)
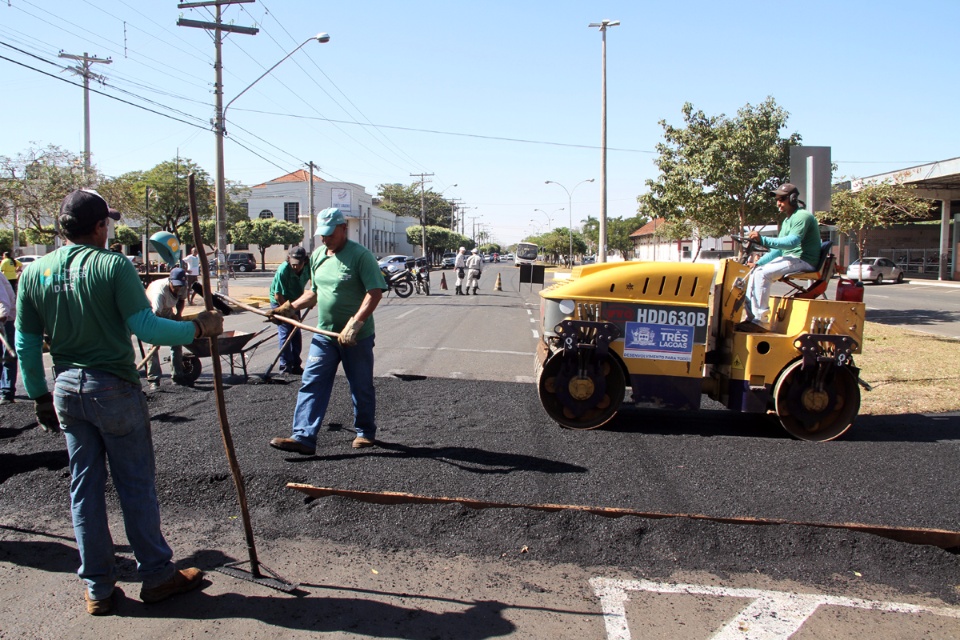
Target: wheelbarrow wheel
(191, 369)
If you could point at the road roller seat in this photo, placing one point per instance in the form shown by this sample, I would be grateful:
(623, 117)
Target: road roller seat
(814, 282)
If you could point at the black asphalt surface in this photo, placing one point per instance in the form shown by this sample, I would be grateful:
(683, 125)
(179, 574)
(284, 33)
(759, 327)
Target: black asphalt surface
(491, 441)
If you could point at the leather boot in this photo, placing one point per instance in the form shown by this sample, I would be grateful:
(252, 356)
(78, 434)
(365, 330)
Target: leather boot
(459, 292)
(475, 290)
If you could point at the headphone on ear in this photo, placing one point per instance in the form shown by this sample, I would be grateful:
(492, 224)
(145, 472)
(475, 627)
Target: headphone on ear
(794, 199)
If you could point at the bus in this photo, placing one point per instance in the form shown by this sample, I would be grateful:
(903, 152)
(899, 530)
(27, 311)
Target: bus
(526, 253)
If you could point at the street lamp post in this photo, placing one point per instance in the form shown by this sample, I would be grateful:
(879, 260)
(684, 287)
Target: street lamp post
(220, 126)
(570, 209)
(549, 217)
(602, 250)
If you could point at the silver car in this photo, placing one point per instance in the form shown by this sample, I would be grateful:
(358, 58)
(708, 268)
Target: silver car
(877, 270)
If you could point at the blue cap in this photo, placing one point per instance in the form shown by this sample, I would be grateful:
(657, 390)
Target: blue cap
(328, 220)
(178, 277)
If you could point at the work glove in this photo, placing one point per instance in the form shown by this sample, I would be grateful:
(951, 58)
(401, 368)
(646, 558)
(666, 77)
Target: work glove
(286, 310)
(46, 414)
(209, 324)
(348, 335)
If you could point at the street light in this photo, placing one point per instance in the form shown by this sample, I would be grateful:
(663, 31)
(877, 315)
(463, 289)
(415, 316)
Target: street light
(220, 128)
(549, 217)
(602, 250)
(570, 205)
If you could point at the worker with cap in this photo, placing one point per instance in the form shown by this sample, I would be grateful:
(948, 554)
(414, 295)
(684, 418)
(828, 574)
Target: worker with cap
(794, 250)
(460, 264)
(346, 285)
(289, 283)
(87, 301)
(474, 267)
(167, 298)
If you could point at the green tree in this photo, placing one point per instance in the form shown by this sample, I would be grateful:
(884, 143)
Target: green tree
(6, 240)
(618, 233)
(166, 207)
(874, 206)
(439, 239)
(32, 235)
(716, 172)
(208, 233)
(125, 235)
(35, 183)
(405, 201)
(265, 233)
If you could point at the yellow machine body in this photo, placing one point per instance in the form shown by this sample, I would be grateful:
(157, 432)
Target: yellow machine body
(670, 330)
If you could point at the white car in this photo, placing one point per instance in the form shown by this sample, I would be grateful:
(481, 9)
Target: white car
(27, 259)
(394, 260)
(877, 270)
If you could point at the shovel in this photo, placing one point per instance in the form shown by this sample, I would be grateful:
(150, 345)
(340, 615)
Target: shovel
(255, 574)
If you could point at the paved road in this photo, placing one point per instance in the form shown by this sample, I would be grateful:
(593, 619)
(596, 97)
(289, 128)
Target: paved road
(458, 418)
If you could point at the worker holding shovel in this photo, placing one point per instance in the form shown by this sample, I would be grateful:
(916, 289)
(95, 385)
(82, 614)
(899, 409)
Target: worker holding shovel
(87, 301)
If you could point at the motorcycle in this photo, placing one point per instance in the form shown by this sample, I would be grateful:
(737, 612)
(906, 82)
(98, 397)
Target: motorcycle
(398, 279)
(421, 272)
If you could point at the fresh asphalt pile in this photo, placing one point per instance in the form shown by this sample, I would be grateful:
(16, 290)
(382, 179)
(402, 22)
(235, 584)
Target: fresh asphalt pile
(491, 441)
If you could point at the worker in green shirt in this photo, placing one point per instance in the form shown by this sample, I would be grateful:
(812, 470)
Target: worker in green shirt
(794, 250)
(288, 284)
(86, 301)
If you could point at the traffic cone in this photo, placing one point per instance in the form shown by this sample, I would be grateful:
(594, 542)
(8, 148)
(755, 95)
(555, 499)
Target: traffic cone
(497, 286)
(443, 281)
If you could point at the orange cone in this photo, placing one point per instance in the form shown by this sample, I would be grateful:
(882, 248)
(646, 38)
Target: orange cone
(443, 281)
(497, 286)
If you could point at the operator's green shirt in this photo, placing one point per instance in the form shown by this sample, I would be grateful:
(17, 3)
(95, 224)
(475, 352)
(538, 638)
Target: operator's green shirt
(81, 296)
(341, 281)
(287, 283)
(799, 238)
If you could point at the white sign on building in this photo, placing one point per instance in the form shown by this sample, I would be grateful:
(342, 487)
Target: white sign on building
(340, 199)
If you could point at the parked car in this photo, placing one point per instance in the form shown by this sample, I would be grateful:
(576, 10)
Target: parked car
(589, 259)
(449, 259)
(27, 259)
(394, 260)
(877, 270)
(242, 262)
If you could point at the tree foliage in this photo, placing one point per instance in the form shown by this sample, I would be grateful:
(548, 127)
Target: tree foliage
(208, 233)
(35, 183)
(265, 233)
(439, 239)
(875, 205)
(165, 206)
(125, 235)
(716, 172)
(405, 201)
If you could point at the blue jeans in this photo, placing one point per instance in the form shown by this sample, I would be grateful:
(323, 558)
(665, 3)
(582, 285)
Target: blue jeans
(758, 287)
(105, 420)
(289, 357)
(325, 356)
(8, 370)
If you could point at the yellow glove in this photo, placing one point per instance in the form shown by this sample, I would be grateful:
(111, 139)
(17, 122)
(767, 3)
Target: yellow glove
(286, 310)
(209, 324)
(348, 335)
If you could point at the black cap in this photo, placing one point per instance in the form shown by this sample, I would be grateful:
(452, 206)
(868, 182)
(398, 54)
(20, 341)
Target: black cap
(87, 206)
(784, 190)
(297, 253)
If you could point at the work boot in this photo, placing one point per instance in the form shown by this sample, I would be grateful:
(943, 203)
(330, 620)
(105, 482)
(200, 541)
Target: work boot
(459, 292)
(154, 385)
(102, 607)
(294, 446)
(180, 582)
(475, 290)
(360, 442)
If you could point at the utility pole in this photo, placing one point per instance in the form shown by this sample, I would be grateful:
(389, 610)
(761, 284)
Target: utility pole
(221, 193)
(473, 221)
(83, 70)
(311, 223)
(423, 211)
(453, 208)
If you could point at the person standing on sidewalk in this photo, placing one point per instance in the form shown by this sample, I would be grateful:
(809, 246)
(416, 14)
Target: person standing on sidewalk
(167, 298)
(474, 267)
(192, 262)
(87, 300)
(11, 268)
(460, 264)
(346, 287)
(288, 284)
(8, 359)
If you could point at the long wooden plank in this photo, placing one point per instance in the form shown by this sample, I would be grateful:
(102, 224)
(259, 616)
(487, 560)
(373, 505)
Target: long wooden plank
(943, 538)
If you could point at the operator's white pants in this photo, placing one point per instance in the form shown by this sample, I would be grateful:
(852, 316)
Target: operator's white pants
(758, 287)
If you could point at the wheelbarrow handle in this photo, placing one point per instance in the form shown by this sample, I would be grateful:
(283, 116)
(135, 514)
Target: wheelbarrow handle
(286, 320)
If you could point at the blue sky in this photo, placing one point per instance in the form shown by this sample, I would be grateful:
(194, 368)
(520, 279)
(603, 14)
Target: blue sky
(876, 81)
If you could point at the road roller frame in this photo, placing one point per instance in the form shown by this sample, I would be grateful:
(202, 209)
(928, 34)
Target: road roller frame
(668, 332)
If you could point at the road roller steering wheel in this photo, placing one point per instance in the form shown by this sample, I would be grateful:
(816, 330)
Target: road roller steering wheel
(749, 246)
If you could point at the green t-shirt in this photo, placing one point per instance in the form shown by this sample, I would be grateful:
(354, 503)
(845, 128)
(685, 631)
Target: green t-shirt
(81, 296)
(287, 283)
(799, 237)
(341, 281)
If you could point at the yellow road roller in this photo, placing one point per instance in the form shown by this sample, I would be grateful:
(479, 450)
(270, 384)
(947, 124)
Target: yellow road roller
(668, 332)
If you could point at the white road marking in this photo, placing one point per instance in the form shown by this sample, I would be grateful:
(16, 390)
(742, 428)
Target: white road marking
(525, 379)
(529, 312)
(772, 615)
(405, 314)
(496, 351)
(533, 319)
(536, 334)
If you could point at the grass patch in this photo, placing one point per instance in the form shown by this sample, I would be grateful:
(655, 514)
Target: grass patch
(910, 372)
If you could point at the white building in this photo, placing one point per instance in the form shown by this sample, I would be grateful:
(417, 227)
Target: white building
(288, 198)
(648, 246)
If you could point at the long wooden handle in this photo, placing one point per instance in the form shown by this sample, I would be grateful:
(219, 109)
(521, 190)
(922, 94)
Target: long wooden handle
(290, 321)
(149, 355)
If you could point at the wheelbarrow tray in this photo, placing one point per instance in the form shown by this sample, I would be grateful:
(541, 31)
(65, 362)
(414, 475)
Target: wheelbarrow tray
(230, 342)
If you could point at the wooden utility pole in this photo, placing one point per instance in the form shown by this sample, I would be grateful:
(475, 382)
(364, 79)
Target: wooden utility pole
(218, 28)
(423, 213)
(84, 70)
(311, 225)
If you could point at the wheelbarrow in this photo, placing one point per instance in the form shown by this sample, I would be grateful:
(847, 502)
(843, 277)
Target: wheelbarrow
(231, 343)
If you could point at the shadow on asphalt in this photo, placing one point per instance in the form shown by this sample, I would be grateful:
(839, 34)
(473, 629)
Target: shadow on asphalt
(913, 317)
